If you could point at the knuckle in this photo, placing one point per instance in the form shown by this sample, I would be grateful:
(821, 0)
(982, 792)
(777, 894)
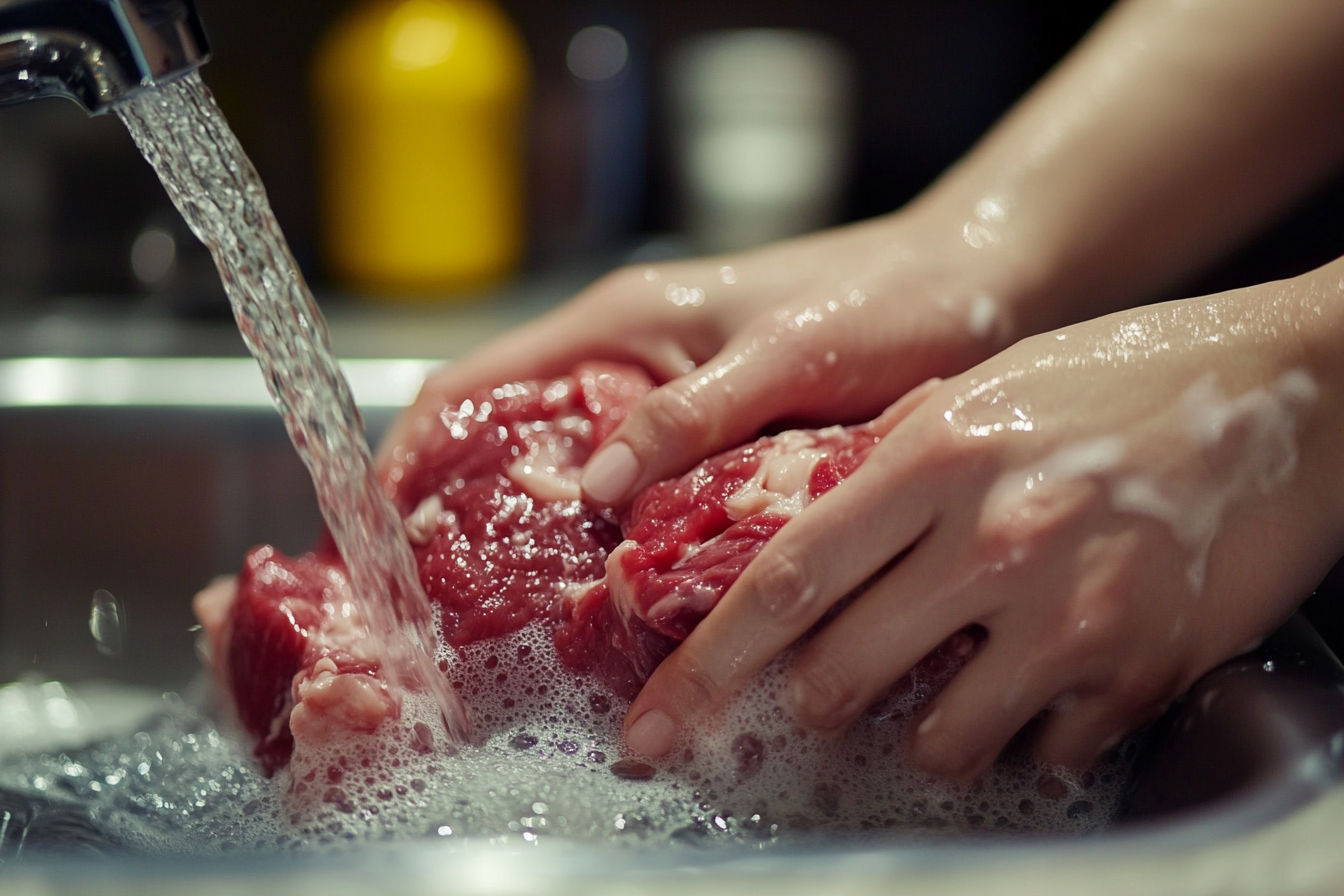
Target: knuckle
(697, 686)
(438, 382)
(941, 449)
(1100, 612)
(1022, 518)
(825, 693)
(944, 752)
(617, 293)
(1138, 687)
(1089, 627)
(1068, 749)
(783, 587)
(678, 410)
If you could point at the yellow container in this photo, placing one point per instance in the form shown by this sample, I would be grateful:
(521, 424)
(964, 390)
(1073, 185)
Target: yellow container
(420, 107)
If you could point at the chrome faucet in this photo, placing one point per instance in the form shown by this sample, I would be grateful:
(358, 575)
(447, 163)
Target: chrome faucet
(96, 52)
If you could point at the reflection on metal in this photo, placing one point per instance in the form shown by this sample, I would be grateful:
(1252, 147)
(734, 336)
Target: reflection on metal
(185, 382)
(95, 52)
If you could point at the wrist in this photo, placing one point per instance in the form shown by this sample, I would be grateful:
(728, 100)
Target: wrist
(973, 238)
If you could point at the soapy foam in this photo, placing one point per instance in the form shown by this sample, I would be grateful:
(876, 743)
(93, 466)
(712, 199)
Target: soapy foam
(550, 764)
(1225, 450)
(1260, 429)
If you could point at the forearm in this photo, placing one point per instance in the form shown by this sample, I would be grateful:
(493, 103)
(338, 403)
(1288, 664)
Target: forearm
(1172, 132)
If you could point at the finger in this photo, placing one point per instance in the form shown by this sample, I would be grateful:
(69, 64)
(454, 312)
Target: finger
(726, 402)
(1079, 731)
(818, 558)
(548, 346)
(883, 634)
(962, 732)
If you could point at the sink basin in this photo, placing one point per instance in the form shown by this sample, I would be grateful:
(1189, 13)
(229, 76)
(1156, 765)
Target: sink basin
(146, 477)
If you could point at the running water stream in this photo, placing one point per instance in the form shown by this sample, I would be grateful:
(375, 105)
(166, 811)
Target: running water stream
(185, 137)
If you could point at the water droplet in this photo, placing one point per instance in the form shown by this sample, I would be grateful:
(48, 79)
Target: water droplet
(107, 623)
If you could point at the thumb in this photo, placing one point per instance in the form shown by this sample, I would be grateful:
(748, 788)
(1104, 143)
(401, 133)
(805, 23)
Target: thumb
(720, 405)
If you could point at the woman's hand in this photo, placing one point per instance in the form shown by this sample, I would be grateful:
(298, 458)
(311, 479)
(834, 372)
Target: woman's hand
(1121, 505)
(827, 328)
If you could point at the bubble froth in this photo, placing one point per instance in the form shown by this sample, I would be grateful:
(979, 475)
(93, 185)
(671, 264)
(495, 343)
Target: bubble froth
(549, 764)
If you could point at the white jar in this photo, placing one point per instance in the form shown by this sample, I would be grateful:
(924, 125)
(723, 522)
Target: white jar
(762, 131)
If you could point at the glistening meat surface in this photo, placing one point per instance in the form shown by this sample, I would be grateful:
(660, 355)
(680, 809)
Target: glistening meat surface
(686, 542)
(492, 508)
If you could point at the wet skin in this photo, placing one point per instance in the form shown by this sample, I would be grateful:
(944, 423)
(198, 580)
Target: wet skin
(1170, 134)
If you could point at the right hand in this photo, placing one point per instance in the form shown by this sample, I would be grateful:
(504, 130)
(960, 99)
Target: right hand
(823, 329)
(1120, 505)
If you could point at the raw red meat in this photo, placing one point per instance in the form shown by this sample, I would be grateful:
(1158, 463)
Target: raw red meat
(492, 503)
(286, 645)
(687, 541)
(492, 507)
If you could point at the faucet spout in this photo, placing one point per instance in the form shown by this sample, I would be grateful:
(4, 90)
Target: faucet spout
(96, 52)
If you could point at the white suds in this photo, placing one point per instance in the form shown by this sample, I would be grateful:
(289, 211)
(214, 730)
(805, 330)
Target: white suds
(1249, 444)
(1198, 458)
(550, 765)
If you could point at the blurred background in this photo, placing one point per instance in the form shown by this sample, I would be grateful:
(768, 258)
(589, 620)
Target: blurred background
(629, 145)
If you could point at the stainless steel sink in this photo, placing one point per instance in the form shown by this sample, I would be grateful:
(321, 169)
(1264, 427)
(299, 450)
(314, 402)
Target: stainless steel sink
(144, 478)
(148, 477)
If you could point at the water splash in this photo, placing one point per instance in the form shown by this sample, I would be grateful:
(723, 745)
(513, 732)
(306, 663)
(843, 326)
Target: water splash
(184, 136)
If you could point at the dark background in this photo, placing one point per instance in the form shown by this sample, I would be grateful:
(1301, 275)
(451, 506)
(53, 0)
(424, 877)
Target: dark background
(933, 75)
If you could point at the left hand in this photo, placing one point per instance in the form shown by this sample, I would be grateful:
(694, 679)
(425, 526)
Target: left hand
(1122, 505)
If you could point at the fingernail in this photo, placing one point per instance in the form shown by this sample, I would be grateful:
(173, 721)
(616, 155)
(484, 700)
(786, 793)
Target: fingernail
(610, 473)
(652, 734)
(929, 722)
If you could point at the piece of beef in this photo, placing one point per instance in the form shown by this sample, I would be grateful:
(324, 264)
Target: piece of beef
(686, 542)
(492, 507)
(287, 645)
(492, 504)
